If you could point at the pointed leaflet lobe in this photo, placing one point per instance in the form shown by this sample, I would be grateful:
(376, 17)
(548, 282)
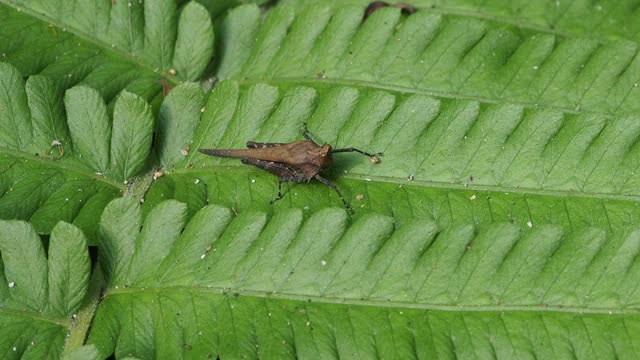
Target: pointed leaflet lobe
(35, 312)
(177, 122)
(25, 266)
(195, 36)
(162, 226)
(69, 268)
(15, 122)
(89, 126)
(47, 114)
(132, 135)
(119, 226)
(159, 32)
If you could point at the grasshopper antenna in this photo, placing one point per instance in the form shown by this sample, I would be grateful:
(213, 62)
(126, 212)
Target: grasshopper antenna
(352, 149)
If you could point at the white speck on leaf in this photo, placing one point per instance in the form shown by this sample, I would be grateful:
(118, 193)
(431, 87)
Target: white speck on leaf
(529, 224)
(12, 284)
(473, 197)
(323, 262)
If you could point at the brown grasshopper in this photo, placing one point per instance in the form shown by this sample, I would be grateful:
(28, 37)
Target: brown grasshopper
(298, 161)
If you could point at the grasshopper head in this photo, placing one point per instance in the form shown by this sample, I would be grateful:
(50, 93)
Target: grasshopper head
(324, 156)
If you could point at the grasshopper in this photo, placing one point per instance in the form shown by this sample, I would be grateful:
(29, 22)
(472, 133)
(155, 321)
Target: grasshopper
(298, 161)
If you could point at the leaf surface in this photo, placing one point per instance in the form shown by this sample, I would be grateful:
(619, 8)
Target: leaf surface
(580, 18)
(430, 140)
(114, 45)
(506, 194)
(432, 52)
(132, 134)
(177, 122)
(65, 160)
(89, 126)
(38, 296)
(69, 269)
(15, 124)
(194, 33)
(502, 220)
(286, 284)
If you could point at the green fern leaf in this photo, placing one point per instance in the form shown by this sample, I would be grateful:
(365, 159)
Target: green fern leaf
(177, 121)
(495, 148)
(434, 52)
(115, 45)
(581, 18)
(38, 296)
(501, 222)
(54, 168)
(289, 285)
(495, 248)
